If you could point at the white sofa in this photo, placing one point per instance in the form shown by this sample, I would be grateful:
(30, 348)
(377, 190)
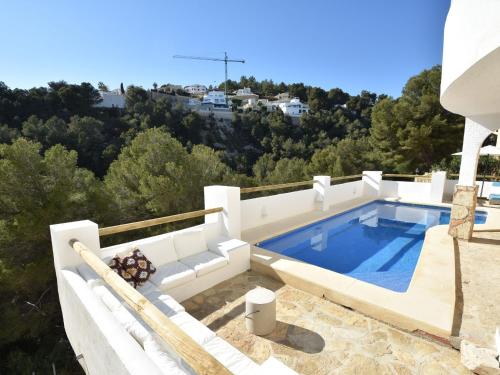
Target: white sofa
(191, 260)
(188, 262)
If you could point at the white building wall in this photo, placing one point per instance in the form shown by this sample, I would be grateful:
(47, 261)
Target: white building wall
(471, 61)
(111, 100)
(196, 89)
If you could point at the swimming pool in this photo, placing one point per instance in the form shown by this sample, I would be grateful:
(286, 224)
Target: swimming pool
(378, 243)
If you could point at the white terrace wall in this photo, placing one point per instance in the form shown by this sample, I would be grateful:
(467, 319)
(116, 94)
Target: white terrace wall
(406, 190)
(264, 210)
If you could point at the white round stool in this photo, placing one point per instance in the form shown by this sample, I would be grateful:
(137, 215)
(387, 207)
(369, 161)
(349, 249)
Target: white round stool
(260, 311)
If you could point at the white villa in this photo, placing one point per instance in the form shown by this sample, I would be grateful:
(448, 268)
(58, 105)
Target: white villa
(245, 94)
(253, 289)
(294, 107)
(291, 107)
(216, 99)
(111, 99)
(196, 89)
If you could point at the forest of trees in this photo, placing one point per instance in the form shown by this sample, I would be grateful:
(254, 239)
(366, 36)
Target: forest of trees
(62, 159)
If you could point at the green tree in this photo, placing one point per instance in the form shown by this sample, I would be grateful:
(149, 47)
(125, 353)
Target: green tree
(37, 191)
(86, 134)
(101, 86)
(414, 130)
(155, 175)
(8, 135)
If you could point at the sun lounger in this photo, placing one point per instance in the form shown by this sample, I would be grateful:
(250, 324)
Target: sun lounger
(494, 197)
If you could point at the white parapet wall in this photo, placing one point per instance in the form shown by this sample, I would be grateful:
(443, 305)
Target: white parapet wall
(342, 193)
(425, 192)
(261, 211)
(264, 210)
(406, 190)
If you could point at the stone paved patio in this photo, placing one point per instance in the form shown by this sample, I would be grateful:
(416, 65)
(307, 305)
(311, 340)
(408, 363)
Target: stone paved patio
(478, 309)
(315, 336)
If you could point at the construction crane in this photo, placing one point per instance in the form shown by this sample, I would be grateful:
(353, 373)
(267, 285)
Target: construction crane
(225, 59)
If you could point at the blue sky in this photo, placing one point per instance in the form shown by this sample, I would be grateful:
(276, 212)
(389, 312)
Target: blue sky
(352, 44)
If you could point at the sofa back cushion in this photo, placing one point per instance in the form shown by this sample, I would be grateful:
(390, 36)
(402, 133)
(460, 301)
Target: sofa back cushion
(189, 243)
(159, 249)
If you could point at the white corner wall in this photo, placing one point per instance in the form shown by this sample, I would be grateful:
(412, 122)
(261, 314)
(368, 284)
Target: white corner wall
(406, 190)
(106, 348)
(264, 210)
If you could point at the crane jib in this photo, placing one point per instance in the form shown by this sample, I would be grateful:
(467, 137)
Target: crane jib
(225, 59)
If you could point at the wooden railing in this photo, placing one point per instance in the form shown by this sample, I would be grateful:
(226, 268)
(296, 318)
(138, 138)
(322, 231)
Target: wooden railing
(396, 175)
(343, 178)
(151, 222)
(189, 350)
(479, 176)
(293, 184)
(274, 187)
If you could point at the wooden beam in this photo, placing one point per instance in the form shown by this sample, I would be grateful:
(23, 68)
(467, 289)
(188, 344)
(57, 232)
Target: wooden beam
(402, 175)
(151, 222)
(352, 177)
(189, 350)
(274, 187)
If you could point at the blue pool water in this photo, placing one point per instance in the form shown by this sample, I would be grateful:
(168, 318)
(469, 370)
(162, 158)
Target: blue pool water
(379, 242)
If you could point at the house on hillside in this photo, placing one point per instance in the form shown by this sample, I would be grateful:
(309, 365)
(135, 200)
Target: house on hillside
(294, 107)
(245, 94)
(215, 99)
(196, 89)
(111, 99)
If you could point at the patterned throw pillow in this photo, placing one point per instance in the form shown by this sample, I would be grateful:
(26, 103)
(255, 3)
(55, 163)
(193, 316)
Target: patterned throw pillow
(138, 266)
(116, 265)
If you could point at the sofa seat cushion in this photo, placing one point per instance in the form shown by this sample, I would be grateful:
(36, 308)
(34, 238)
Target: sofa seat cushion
(205, 262)
(89, 275)
(230, 357)
(162, 359)
(164, 302)
(192, 327)
(172, 274)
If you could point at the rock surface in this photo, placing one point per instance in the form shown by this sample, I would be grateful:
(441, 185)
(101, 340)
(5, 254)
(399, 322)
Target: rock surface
(318, 337)
(481, 361)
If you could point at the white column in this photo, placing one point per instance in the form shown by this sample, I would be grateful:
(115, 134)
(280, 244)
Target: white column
(372, 184)
(227, 197)
(84, 231)
(438, 183)
(474, 136)
(321, 187)
(465, 195)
